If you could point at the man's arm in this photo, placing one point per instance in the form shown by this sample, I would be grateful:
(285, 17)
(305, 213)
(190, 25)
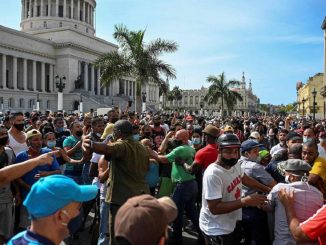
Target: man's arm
(15, 171)
(193, 168)
(103, 169)
(287, 200)
(254, 184)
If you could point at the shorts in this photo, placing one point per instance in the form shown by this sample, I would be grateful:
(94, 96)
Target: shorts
(6, 219)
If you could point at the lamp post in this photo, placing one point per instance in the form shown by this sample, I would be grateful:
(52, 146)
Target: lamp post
(303, 101)
(81, 104)
(60, 85)
(201, 104)
(314, 93)
(38, 102)
(144, 95)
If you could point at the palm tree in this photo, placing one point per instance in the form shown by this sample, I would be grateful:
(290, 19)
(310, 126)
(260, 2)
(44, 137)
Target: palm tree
(163, 91)
(220, 89)
(136, 59)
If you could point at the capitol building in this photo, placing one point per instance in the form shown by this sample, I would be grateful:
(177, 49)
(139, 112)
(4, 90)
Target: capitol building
(57, 43)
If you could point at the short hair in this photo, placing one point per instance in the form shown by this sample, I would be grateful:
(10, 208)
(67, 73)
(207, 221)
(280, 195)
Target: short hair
(295, 150)
(124, 126)
(281, 155)
(311, 143)
(72, 124)
(16, 114)
(96, 120)
(284, 131)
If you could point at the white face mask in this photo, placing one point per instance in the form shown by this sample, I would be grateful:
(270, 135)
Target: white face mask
(322, 140)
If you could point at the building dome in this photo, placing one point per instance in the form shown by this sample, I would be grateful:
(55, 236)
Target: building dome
(40, 15)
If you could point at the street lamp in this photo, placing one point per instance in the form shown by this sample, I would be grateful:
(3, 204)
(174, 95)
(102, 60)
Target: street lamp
(144, 96)
(81, 104)
(314, 93)
(38, 102)
(303, 101)
(60, 85)
(201, 104)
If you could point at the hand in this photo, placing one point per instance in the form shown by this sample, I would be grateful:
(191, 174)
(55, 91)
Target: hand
(79, 144)
(46, 158)
(254, 200)
(170, 134)
(41, 174)
(86, 143)
(286, 198)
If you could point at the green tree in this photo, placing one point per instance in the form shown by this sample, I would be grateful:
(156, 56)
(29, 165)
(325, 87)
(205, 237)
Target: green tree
(220, 88)
(136, 59)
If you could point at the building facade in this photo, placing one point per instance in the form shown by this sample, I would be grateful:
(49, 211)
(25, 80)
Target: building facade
(193, 100)
(323, 89)
(57, 42)
(305, 97)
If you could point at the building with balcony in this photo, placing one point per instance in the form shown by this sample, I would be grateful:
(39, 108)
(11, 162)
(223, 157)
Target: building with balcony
(57, 40)
(193, 100)
(305, 97)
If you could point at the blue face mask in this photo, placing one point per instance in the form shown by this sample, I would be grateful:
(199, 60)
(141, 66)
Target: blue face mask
(59, 130)
(196, 141)
(51, 144)
(135, 137)
(305, 139)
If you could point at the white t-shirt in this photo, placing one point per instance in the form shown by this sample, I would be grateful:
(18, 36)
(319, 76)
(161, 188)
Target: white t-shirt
(16, 146)
(225, 184)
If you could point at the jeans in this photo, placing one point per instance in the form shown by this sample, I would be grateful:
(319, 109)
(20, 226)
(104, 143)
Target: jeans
(85, 174)
(104, 219)
(184, 196)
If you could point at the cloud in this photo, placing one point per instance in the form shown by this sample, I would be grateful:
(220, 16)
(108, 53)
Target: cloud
(293, 39)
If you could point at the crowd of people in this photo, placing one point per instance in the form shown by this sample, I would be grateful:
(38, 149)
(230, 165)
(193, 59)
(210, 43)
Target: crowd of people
(152, 176)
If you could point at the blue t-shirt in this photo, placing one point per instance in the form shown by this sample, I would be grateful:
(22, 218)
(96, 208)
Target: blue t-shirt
(29, 177)
(152, 176)
(28, 237)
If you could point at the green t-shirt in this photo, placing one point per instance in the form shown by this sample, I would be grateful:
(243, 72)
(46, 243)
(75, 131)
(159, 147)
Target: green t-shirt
(179, 174)
(76, 169)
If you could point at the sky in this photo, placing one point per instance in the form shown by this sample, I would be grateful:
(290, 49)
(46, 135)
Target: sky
(274, 42)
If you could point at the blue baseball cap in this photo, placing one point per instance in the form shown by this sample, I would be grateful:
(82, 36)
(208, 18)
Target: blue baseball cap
(248, 145)
(51, 193)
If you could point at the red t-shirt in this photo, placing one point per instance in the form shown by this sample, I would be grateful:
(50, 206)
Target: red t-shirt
(315, 226)
(206, 155)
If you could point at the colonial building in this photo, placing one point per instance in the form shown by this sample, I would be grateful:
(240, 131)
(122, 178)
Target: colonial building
(194, 100)
(323, 89)
(57, 42)
(305, 97)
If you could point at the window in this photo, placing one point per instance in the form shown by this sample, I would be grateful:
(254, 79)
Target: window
(31, 103)
(60, 11)
(38, 12)
(45, 25)
(21, 103)
(11, 103)
(186, 100)
(48, 104)
(60, 24)
(86, 30)
(75, 26)
(191, 100)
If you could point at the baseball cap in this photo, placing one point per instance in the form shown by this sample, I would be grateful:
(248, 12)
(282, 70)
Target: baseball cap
(248, 145)
(263, 153)
(32, 133)
(51, 193)
(255, 135)
(147, 214)
(293, 165)
(293, 136)
(211, 130)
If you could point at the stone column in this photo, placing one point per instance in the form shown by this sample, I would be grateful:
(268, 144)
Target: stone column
(51, 88)
(30, 9)
(93, 80)
(64, 8)
(49, 7)
(24, 9)
(42, 8)
(89, 14)
(4, 71)
(72, 9)
(99, 82)
(25, 74)
(35, 8)
(132, 89)
(43, 76)
(34, 75)
(57, 8)
(84, 11)
(86, 77)
(14, 72)
(78, 10)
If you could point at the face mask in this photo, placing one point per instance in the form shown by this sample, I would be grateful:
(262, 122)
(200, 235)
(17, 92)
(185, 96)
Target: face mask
(60, 130)
(51, 144)
(114, 120)
(322, 140)
(178, 142)
(258, 159)
(74, 224)
(19, 127)
(135, 137)
(157, 124)
(79, 133)
(287, 179)
(306, 139)
(196, 141)
(3, 141)
(229, 162)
